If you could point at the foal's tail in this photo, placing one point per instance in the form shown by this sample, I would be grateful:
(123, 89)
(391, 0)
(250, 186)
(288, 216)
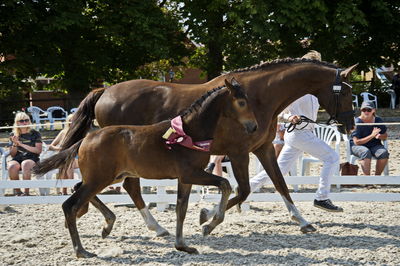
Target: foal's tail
(82, 119)
(61, 160)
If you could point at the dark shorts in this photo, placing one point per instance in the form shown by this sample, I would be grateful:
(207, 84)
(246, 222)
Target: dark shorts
(362, 152)
(20, 158)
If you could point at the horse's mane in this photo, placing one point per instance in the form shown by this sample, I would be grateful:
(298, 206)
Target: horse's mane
(198, 105)
(284, 61)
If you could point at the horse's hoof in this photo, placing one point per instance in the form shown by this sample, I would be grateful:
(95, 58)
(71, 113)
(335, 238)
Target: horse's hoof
(239, 207)
(105, 233)
(162, 233)
(206, 230)
(308, 229)
(85, 254)
(203, 216)
(187, 249)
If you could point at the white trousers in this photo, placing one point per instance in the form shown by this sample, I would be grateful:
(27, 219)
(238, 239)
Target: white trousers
(299, 141)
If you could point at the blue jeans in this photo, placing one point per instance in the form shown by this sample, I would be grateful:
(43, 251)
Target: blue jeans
(362, 152)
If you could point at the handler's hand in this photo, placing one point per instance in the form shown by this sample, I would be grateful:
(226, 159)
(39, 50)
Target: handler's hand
(294, 119)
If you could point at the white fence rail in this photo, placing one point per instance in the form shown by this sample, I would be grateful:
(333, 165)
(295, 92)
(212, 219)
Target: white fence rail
(162, 198)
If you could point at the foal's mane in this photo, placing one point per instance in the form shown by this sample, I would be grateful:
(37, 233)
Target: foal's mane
(198, 105)
(284, 61)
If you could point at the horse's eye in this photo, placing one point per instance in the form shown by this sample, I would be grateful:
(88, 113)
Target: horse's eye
(242, 103)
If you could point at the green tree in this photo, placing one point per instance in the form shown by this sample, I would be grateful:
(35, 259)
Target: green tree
(83, 42)
(241, 33)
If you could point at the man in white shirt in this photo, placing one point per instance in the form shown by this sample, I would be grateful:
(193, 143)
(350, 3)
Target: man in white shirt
(304, 140)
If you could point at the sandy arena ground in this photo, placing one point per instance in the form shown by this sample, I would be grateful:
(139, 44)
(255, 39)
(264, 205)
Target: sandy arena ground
(365, 233)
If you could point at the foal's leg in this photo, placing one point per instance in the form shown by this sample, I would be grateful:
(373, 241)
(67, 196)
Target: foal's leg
(240, 165)
(200, 177)
(181, 208)
(132, 186)
(70, 208)
(107, 213)
(266, 155)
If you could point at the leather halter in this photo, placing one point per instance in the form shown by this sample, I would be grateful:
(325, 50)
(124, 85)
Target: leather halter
(176, 135)
(337, 89)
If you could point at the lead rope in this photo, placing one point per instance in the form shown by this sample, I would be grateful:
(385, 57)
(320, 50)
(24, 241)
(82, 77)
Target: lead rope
(304, 119)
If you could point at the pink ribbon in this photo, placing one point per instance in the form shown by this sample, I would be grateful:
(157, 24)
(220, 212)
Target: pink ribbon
(176, 135)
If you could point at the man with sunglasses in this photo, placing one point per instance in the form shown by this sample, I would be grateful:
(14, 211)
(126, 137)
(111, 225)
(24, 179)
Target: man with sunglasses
(366, 142)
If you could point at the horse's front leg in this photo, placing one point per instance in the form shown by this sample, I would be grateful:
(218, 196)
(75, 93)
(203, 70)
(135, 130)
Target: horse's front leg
(132, 186)
(240, 165)
(266, 155)
(181, 208)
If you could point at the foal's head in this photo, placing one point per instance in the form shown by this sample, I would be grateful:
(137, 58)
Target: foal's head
(237, 107)
(229, 101)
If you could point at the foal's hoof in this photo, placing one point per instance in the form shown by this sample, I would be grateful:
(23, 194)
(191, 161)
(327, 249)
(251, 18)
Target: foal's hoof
(105, 232)
(187, 249)
(85, 254)
(207, 230)
(308, 229)
(203, 216)
(162, 233)
(239, 207)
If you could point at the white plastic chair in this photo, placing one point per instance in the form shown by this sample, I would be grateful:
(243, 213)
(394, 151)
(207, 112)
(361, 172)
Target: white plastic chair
(392, 98)
(355, 101)
(369, 97)
(4, 170)
(73, 110)
(328, 134)
(51, 111)
(352, 158)
(38, 115)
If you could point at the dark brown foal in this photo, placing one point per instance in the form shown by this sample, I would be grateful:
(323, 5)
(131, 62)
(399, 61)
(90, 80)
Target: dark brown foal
(177, 148)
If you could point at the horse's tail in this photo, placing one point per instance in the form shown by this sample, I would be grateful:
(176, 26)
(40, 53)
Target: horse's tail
(61, 160)
(82, 119)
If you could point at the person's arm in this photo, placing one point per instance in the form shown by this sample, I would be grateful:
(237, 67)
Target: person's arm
(382, 136)
(55, 144)
(366, 139)
(36, 149)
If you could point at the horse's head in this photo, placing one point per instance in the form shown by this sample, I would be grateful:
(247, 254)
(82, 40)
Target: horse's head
(338, 102)
(238, 106)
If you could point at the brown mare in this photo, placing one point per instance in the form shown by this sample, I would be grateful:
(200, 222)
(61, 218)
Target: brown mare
(271, 86)
(134, 151)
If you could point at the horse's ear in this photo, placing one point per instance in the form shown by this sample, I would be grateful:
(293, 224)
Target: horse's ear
(346, 73)
(229, 86)
(234, 82)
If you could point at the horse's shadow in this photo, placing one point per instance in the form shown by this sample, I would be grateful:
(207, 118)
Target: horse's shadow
(254, 252)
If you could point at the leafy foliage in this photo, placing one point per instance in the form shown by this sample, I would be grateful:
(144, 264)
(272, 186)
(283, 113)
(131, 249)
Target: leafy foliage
(83, 42)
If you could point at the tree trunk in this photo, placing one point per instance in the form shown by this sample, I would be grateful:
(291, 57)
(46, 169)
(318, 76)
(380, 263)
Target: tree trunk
(215, 44)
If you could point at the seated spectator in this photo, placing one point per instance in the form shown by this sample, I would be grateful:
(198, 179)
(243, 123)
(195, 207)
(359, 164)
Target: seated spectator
(25, 148)
(278, 142)
(215, 165)
(366, 140)
(56, 146)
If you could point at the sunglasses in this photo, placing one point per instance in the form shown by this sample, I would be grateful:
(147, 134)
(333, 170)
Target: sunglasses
(366, 110)
(24, 121)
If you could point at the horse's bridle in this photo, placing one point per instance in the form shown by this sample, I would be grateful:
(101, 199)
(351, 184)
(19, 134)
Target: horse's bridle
(337, 89)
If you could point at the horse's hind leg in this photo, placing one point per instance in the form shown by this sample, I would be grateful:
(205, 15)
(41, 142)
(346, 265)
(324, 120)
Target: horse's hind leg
(107, 213)
(71, 207)
(132, 186)
(181, 208)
